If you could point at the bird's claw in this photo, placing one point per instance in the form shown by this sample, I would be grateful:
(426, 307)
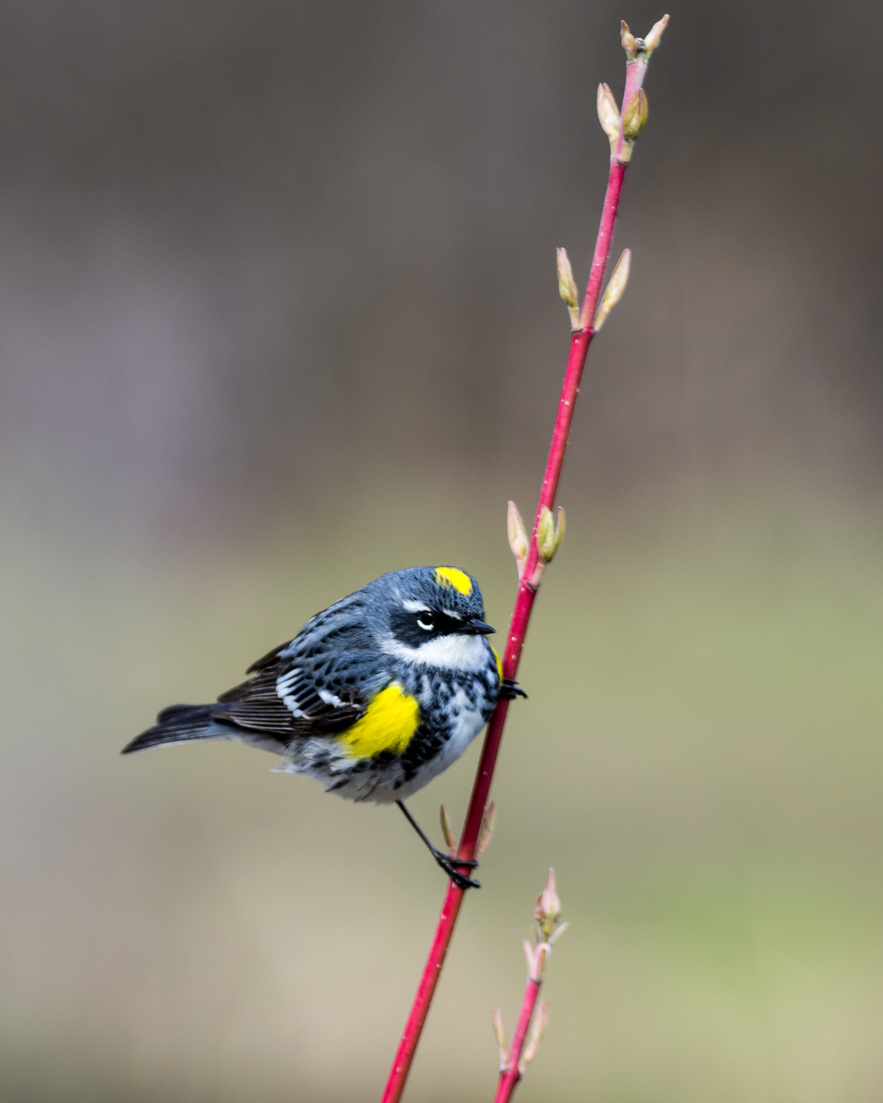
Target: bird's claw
(450, 864)
(510, 689)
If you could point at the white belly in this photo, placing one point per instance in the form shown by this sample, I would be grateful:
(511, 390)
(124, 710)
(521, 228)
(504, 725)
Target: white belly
(465, 729)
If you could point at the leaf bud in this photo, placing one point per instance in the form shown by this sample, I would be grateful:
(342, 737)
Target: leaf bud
(517, 534)
(500, 1035)
(608, 114)
(488, 822)
(537, 1030)
(567, 288)
(447, 832)
(549, 535)
(615, 289)
(548, 910)
(652, 39)
(629, 42)
(635, 117)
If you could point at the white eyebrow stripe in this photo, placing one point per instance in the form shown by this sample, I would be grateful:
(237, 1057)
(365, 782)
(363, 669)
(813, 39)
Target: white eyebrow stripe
(419, 607)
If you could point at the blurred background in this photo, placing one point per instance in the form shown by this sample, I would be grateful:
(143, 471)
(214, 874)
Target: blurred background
(278, 313)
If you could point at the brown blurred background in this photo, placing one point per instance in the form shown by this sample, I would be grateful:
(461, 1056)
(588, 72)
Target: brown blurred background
(278, 313)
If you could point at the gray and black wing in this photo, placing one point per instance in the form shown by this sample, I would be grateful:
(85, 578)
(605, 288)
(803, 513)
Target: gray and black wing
(290, 695)
(316, 684)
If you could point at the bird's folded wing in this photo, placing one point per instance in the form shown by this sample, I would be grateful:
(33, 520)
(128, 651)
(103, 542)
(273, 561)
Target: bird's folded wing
(293, 698)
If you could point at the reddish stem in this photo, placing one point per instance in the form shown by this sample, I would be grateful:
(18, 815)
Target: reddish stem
(580, 340)
(579, 346)
(510, 1075)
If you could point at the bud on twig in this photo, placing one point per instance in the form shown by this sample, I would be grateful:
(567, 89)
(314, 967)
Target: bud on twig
(540, 957)
(608, 114)
(652, 39)
(607, 111)
(537, 1030)
(642, 47)
(447, 832)
(536, 957)
(567, 287)
(549, 535)
(615, 289)
(548, 909)
(534, 1013)
(488, 823)
(634, 99)
(558, 932)
(548, 927)
(517, 536)
(500, 1035)
(546, 535)
(629, 42)
(635, 118)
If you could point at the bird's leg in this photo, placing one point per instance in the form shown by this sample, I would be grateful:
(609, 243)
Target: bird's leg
(510, 689)
(448, 864)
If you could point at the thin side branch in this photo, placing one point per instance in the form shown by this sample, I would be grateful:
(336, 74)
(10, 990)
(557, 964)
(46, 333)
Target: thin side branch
(534, 1014)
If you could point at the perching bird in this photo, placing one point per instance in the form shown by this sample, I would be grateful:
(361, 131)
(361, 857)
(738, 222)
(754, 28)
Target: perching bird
(374, 696)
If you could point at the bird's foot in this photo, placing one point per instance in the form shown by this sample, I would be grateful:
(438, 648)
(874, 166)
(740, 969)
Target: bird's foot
(450, 865)
(510, 689)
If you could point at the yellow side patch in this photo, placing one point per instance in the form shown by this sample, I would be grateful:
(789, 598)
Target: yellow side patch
(499, 664)
(450, 576)
(392, 718)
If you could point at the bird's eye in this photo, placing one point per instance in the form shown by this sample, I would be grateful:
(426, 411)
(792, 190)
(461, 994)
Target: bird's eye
(426, 620)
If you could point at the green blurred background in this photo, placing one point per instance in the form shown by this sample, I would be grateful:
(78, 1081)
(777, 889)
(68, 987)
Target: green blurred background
(278, 313)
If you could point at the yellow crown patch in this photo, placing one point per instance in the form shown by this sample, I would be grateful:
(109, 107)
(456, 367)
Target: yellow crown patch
(450, 576)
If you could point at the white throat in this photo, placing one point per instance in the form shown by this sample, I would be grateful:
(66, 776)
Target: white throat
(452, 652)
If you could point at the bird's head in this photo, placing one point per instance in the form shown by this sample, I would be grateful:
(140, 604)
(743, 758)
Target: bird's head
(434, 616)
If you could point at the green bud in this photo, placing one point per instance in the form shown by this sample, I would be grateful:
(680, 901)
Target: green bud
(615, 289)
(488, 822)
(567, 287)
(608, 114)
(546, 534)
(537, 1030)
(629, 42)
(446, 831)
(635, 118)
(549, 535)
(652, 39)
(548, 909)
(517, 535)
(500, 1035)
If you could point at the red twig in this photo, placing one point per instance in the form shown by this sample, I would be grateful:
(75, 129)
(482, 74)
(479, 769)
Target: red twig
(548, 928)
(638, 54)
(510, 1075)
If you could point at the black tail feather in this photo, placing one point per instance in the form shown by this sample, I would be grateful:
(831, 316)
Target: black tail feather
(178, 724)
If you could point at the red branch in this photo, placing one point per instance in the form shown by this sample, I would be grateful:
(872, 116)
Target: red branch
(579, 345)
(510, 1075)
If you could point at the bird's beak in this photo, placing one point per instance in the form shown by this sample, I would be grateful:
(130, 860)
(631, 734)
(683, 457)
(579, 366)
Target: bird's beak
(476, 627)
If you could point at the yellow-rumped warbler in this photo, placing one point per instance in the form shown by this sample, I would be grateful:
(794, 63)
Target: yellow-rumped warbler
(374, 696)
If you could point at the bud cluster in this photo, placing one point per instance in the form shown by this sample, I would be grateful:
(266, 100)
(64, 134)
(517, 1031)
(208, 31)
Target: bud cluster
(622, 130)
(549, 535)
(547, 929)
